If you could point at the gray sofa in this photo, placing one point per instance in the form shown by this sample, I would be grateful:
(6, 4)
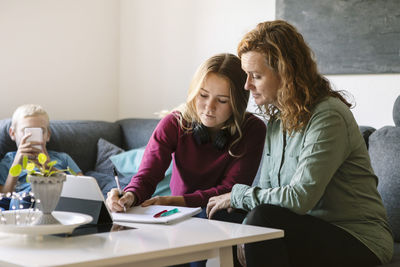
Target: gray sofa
(80, 139)
(384, 150)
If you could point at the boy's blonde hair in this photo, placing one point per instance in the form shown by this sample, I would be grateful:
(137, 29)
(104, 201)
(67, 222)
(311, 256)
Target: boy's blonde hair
(28, 110)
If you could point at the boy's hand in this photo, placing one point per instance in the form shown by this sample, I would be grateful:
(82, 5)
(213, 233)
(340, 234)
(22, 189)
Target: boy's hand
(26, 148)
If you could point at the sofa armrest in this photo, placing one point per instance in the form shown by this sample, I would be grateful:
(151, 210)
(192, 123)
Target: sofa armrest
(366, 131)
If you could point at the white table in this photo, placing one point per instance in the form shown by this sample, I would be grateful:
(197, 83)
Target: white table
(148, 245)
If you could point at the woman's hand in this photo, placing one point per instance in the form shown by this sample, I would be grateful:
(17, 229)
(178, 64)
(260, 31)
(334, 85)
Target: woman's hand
(165, 200)
(218, 203)
(117, 204)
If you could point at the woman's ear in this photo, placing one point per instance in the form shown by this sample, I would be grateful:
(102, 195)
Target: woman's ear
(11, 132)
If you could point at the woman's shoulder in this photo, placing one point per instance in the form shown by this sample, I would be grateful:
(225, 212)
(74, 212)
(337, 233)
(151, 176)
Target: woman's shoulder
(331, 103)
(332, 107)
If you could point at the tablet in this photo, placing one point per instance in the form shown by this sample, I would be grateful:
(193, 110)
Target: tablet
(82, 194)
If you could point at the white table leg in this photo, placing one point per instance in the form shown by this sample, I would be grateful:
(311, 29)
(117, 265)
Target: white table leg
(225, 257)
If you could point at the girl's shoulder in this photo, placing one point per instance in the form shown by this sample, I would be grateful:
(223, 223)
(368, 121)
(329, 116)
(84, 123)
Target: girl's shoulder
(170, 122)
(254, 122)
(171, 117)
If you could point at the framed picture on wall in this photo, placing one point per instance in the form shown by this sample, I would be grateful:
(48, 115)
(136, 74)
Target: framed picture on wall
(348, 37)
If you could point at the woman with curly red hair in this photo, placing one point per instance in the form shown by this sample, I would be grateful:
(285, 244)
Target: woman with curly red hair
(316, 183)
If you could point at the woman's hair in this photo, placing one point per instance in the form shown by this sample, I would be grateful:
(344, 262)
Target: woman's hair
(28, 110)
(287, 54)
(227, 66)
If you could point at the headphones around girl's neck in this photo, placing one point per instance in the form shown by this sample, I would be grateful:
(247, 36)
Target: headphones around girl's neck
(201, 136)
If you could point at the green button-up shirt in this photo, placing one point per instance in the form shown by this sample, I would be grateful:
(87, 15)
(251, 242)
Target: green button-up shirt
(324, 171)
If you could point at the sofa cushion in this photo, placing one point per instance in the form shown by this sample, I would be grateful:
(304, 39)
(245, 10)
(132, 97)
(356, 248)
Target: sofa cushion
(105, 150)
(128, 163)
(79, 139)
(385, 158)
(384, 147)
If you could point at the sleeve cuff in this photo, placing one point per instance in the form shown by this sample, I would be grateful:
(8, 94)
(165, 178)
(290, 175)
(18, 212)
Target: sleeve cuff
(139, 197)
(238, 196)
(194, 200)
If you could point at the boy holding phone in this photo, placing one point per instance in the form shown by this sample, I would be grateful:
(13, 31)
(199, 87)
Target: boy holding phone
(30, 129)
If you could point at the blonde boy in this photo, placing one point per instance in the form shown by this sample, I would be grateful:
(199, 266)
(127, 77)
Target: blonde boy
(24, 117)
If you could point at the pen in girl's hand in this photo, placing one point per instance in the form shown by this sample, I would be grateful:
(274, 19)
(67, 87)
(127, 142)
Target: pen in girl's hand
(118, 185)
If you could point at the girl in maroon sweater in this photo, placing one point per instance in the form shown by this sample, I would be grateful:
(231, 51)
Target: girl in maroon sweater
(211, 139)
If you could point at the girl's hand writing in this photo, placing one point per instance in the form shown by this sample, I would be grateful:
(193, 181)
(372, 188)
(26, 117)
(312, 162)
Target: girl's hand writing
(117, 204)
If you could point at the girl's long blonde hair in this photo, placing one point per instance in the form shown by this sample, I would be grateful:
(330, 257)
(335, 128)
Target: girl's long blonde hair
(227, 66)
(302, 87)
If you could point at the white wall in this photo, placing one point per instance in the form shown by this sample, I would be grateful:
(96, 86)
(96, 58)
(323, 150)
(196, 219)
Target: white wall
(163, 42)
(62, 54)
(110, 59)
(374, 96)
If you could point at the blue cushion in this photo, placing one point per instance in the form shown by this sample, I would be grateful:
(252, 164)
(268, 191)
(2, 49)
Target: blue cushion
(127, 165)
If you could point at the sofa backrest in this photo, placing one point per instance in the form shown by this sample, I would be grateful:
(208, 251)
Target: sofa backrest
(6, 144)
(136, 132)
(78, 138)
(366, 131)
(384, 150)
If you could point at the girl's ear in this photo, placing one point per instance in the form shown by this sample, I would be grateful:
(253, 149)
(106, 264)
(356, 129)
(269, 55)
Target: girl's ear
(11, 132)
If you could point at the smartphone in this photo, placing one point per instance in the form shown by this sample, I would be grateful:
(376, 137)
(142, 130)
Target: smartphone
(37, 135)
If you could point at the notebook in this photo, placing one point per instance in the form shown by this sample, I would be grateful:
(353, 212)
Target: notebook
(146, 214)
(82, 194)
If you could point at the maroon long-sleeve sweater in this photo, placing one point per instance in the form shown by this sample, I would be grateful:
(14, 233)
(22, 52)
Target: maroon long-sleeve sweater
(200, 171)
